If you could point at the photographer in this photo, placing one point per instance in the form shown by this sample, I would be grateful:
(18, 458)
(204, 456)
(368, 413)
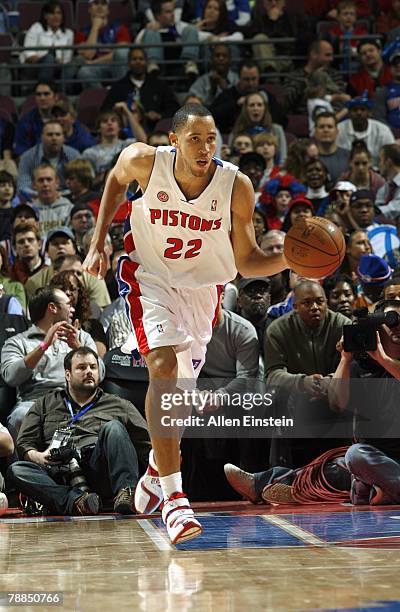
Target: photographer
(108, 432)
(366, 383)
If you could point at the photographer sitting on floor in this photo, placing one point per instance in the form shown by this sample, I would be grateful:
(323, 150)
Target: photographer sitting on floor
(109, 435)
(365, 381)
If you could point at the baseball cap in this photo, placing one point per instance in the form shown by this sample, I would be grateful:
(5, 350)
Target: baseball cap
(364, 194)
(60, 231)
(245, 282)
(24, 208)
(344, 186)
(373, 270)
(300, 199)
(362, 100)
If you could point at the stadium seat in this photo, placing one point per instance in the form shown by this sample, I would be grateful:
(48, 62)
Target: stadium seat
(290, 138)
(89, 103)
(163, 125)
(298, 125)
(7, 104)
(277, 91)
(5, 41)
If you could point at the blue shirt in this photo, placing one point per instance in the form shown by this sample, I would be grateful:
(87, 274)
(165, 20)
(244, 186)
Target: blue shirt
(81, 138)
(27, 131)
(36, 156)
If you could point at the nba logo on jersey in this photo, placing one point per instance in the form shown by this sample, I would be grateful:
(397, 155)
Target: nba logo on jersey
(214, 205)
(160, 328)
(196, 363)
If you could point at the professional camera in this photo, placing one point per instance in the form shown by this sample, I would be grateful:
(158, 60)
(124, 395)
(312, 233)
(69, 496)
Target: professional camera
(64, 453)
(361, 336)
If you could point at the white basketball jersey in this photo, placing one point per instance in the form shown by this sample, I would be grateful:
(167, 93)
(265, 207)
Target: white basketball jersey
(187, 243)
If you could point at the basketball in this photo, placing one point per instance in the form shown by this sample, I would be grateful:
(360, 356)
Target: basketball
(314, 250)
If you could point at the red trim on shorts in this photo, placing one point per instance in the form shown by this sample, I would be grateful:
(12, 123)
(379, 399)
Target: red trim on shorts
(219, 289)
(127, 274)
(129, 244)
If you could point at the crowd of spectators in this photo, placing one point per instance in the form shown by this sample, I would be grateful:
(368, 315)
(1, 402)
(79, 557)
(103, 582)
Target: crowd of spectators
(306, 103)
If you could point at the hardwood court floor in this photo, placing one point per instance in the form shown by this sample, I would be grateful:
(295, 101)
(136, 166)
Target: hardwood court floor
(328, 557)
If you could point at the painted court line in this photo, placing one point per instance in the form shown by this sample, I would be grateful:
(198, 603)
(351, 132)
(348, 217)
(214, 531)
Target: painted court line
(155, 535)
(294, 530)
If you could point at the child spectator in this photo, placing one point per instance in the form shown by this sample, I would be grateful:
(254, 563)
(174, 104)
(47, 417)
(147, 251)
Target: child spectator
(346, 32)
(266, 144)
(276, 197)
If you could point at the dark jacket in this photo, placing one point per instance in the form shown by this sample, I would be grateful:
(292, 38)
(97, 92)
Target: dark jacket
(50, 412)
(154, 95)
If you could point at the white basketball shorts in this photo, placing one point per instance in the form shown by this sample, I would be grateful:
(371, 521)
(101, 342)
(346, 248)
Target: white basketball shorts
(165, 316)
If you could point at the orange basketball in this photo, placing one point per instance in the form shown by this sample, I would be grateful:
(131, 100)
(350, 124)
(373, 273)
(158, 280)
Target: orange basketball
(315, 250)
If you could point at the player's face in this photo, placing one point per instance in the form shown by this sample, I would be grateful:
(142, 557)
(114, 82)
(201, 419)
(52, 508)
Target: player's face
(196, 144)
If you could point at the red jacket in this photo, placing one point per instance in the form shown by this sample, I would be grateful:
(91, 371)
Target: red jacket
(363, 80)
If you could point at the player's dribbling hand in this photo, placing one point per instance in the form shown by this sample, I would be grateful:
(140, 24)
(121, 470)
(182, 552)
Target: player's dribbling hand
(95, 263)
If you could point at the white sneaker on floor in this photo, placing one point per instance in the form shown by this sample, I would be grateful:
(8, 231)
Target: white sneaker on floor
(178, 517)
(148, 494)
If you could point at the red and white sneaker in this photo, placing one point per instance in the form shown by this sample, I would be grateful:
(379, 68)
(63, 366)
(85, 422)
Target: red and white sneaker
(179, 519)
(148, 494)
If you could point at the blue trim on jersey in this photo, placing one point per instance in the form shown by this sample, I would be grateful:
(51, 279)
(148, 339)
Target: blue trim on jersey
(134, 196)
(217, 161)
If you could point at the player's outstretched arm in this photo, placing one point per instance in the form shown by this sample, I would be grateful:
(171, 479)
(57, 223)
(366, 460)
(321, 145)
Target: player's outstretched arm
(250, 259)
(134, 163)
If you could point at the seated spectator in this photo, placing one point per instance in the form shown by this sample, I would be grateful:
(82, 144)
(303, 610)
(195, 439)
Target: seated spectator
(360, 127)
(283, 307)
(13, 290)
(70, 283)
(166, 28)
(158, 139)
(345, 32)
(259, 224)
(334, 158)
(29, 127)
(219, 78)
(216, 26)
(241, 144)
(357, 244)
(7, 131)
(391, 289)
(253, 301)
(340, 293)
(272, 242)
(53, 209)
(149, 92)
(111, 437)
(27, 244)
(255, 118)
(299, 208)
(373, 272)
(275, 198)
(320, 57)
(101, 63)
(227, 106)
(388, 196)
(51, 151)
(101, 155)
(316, 179)
(299, 152)
(253, 166)
(49, 31)
(270, 19)
(302, 376)
(266, 144)
(238, 10)
(361, 173)
(78, 175)
(76, 135)
(60, 243)
(373, 72)
(388, 20)
(386, 100)
(81, 221)
(7, 193)
(373, 460)
(32, 361)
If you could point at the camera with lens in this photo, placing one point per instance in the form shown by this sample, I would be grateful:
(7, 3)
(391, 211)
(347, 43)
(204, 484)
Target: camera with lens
(361, 336)
(64, 452)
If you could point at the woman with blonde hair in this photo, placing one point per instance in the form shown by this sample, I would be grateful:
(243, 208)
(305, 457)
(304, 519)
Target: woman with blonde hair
(255, 118)
(266, 144)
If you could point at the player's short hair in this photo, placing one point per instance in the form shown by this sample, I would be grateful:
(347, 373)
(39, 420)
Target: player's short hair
(182, 115)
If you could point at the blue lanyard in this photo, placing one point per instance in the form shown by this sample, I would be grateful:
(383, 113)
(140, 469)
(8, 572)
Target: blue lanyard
(78, 415)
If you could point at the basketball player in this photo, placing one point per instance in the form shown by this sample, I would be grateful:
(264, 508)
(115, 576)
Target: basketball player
(190, 230)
